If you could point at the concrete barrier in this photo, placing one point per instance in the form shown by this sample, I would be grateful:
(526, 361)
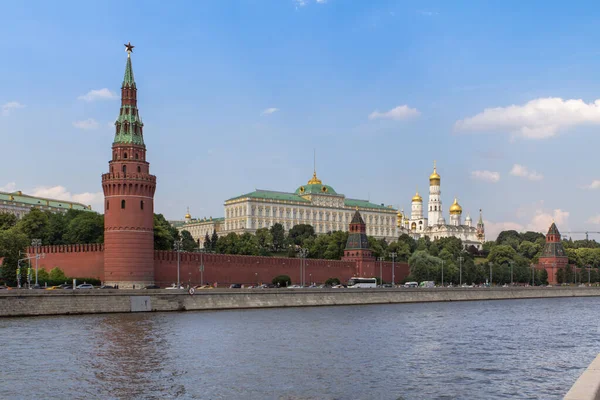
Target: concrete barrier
(65, 302)
(587, 387)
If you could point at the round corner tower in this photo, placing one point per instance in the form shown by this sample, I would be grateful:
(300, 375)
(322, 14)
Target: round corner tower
(128, 197)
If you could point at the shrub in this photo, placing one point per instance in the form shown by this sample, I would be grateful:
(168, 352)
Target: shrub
(282, 280)
(332, 282)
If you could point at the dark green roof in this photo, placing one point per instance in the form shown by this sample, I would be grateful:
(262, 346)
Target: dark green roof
(315, 188)
(366, 204)
(553, 249)
(271, 195)
(20, 198)
(357, 219)
(553, 230)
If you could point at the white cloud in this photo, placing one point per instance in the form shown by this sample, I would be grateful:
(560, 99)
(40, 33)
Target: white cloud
(594, 185)
(398, 113)
(321, 1)
(7, 108)
(269, 111)
(61, 193)
(9, 187)
(486, 176)
(538, 119)
(540, 222)
(594, 220)
(524, 172)
(86, 124)
(99, 94)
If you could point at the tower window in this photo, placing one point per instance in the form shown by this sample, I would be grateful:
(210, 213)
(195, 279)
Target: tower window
(124, 169)
(141, 204)
(137, 156)
(124, 155)
(106, 205)
(139, 169)
(123, 204)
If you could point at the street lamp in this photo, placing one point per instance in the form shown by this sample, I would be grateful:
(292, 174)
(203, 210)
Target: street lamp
(380, 259)
(36, 243)
(303, 253)
(511, 272)
(177, 246)
(393, 255)
(442, 273)
(491, 275)
(460, 260)
(201, 268)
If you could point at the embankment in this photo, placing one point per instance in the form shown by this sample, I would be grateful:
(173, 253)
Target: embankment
(65, 302)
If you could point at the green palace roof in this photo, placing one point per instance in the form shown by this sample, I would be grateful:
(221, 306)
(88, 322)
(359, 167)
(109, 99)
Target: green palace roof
(25, 200)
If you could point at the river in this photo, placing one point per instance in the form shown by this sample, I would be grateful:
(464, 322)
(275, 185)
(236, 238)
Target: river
(512, 349)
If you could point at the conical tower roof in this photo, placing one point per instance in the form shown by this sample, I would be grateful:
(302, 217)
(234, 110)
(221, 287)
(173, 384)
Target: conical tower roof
(553, 230)
(357, 218)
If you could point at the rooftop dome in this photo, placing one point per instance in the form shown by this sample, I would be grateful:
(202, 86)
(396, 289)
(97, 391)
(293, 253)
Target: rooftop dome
(417, 197)
(455, 208)
(434, 178)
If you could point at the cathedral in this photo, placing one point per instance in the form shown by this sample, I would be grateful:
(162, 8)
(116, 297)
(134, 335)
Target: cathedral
(434, 225)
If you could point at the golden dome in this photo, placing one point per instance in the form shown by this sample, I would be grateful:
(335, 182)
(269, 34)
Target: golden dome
(417, 197)
(455, 208)
(188, 216)
(434, 178)
(314, 180)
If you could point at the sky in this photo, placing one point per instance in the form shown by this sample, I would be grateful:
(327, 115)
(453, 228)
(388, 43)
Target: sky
(236, 95)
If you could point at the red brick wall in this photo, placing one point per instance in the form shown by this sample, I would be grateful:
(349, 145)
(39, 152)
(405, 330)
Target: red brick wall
(88, 261)
(228, 269)
(77, 260)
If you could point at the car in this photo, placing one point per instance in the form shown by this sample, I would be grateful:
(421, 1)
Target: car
(106, 287)
(4, 287)
(235, 286)
(294, 287)
(387, 285)
(85, 286)
(152, 287)
(38, 287)
(53, 287)
(203, 287)
(174, 286)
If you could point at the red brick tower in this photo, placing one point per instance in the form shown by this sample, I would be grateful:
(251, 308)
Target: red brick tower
(129, 197)
(357, 246)
(553, 255)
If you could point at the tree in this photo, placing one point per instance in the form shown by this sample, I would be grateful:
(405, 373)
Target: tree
(332, 282)
(264, 241)
(410, 242)
(35, 225)
(424, 267)
(278, 234)
(207, 242)
(502, 254)
(87, 227)
(164, 234)
(336, 244)
(299, 233)
(214, 239)
(228, 244)
(12, 241)
(247, 245)
(505, 235)
(187, 241)
(7, 221)
(57, 275)
(281, 281)
(528, 249)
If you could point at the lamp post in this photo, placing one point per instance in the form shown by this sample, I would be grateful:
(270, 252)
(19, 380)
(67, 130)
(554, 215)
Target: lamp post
(393, 255)
(201, 268)
(380, 259)
(532, 275)
(303, 253)
(36, 243)
(511, 272)
(460, 260)
(589, 275)
(177, 247)
(442, 273)
(491, 275)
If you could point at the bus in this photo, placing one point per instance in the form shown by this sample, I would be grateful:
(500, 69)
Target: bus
(411, 284)
(362, 283)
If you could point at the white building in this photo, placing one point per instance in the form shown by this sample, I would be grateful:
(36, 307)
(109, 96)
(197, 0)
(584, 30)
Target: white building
(19, 204)
(434, 225)
(312, 204)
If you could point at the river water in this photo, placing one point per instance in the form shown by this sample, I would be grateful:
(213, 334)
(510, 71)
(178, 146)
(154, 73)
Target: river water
(513, 349)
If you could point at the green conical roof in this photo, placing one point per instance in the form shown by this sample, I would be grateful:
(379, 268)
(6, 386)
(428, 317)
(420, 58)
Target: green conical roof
(128, 79)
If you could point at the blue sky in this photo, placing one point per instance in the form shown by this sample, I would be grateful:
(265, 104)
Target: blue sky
(379, 88)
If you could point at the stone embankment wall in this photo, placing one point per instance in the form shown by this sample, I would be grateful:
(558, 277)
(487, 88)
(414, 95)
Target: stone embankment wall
(30, 303)
(587, 387)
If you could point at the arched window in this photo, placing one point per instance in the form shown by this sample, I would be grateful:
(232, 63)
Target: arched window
(124, 155)
(139, 169)
(137, 156)
(141, 204)
(123, 204)
(124, 169)
(435, 208)
(107, 205)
